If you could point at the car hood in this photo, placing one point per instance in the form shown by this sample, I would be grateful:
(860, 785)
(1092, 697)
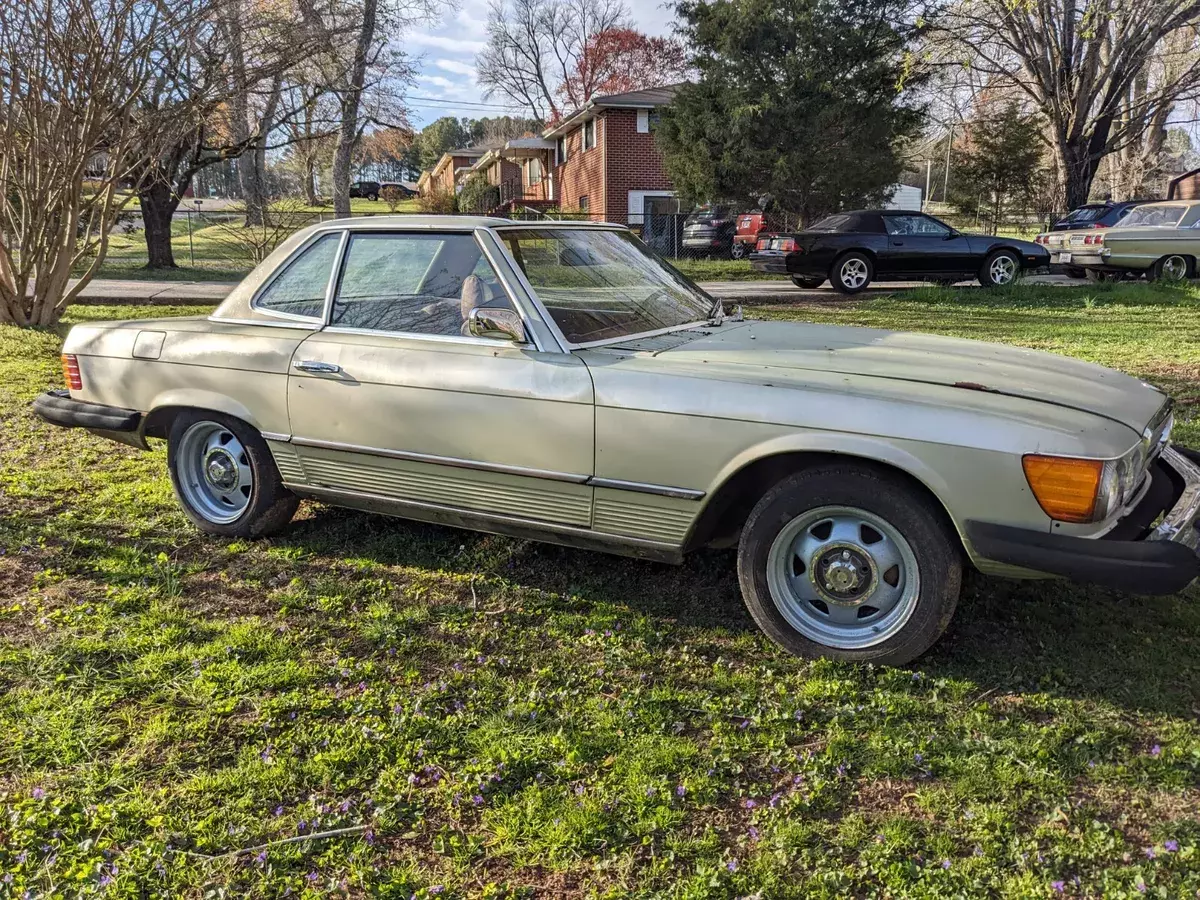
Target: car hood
(929, 359)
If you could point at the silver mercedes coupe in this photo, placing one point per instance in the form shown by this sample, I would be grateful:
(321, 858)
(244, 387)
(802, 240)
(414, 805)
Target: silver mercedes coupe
(557, 381)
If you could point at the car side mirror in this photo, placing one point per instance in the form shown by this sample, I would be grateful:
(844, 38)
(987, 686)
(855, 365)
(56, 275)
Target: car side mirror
(497, 324)
(951, 235)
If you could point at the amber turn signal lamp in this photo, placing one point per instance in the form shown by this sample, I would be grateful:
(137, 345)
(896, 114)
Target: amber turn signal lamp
(71, 374)
(1066, 488)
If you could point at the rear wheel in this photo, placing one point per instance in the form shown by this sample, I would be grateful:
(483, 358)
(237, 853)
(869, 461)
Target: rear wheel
(225, 478)
(808, 282)
(1174, 267)
(851, 563)
(1000, 269)
(851, 272)
(737, 251)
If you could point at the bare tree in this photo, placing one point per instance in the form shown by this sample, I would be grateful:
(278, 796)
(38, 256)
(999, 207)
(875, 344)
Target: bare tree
(71, 75)
(1102, 72)
(363, 73)
(538, 52)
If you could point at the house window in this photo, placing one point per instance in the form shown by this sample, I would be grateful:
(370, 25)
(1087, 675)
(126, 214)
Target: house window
(535, 171)
(652, 120)
(583, 203)
(589, 134)
(561, 150)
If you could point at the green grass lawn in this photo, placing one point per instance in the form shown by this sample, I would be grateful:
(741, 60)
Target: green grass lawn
(454, 715)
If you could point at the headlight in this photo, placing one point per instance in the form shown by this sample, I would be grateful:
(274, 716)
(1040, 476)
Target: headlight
(1070, 489)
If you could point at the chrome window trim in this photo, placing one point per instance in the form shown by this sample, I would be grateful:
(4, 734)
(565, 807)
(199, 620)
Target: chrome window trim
(287, 264)
(542, 309)
(335, 279)
(514, 296)
(494, 343)
(453, 462)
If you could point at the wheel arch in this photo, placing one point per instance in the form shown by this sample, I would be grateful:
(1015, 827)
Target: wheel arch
(166, 406)
(746, 479)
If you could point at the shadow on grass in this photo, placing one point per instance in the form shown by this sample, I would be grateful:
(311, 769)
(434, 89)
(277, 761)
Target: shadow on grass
(1139, 654)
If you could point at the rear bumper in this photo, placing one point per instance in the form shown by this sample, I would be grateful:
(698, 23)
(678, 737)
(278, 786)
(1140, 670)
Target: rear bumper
(1153, 550)
(58, 408)
(777, 262)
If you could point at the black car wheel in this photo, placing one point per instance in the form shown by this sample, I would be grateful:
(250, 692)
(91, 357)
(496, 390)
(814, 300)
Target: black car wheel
(737, 251)
(808, 282)
(1000, 269)
(851, 272)
(373, 197)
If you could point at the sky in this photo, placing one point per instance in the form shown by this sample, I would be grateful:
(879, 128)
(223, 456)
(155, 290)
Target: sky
(445, 51)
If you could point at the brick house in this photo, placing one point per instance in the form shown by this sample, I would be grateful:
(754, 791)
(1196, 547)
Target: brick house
(519, 168)
(605, 162)
(447, 173)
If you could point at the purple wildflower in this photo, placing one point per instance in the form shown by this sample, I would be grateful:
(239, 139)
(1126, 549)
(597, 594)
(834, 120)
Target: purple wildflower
(278, 811)
(1171, 846)
(37, 793)
(1150, 854)
(261, 859)
(477, 800)
(106, 880)
(1156, 751)
(649, 792)
(945, 863)
(1058, 886)
(312, 876)
(918, 758)
(752, 832)
(749, 804)
(436, 889)
(680, 790)
(732, 865)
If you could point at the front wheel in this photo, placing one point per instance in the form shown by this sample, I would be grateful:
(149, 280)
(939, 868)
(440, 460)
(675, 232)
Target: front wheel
(1000, 269)
(225, 478)
(808, 282)
(851, 563)
(851, 273)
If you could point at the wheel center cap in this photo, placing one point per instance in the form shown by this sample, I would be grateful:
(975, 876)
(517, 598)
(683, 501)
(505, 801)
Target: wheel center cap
(844, 575)
(220, 470)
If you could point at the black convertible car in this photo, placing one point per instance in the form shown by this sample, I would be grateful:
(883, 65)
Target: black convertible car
(852, 249)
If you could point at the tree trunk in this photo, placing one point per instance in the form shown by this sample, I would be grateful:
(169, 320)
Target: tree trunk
(310, 181)
(351, 101)
(158, 208)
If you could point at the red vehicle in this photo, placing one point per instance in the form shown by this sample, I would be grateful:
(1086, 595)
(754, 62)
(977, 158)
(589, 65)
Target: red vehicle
(750, 226)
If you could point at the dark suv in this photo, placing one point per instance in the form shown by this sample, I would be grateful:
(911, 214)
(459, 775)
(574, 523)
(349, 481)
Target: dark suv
(709, 230)
(368, 189)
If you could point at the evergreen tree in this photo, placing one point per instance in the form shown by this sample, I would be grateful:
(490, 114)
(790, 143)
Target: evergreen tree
(804, 100)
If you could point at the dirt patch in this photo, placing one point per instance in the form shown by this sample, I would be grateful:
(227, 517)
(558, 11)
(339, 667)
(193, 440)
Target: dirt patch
(891, 796)
(1139, 814)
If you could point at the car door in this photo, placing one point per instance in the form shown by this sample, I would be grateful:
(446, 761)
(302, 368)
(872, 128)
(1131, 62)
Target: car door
(920, 246)
(394, 399)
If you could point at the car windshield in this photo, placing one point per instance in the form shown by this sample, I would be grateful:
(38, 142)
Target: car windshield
(599, 284)
(1155, 215)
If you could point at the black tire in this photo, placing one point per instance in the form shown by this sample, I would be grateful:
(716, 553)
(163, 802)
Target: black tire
(839, 273)
(911, 512)
(1162, 270)
(271, 505)
(808, 282)
(374, 198)
(986, 275)
(737, 251)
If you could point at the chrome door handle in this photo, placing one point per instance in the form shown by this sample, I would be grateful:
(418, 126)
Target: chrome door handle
(321, 368)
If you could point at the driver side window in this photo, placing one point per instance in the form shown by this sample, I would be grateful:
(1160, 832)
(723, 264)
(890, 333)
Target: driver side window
(915, 225)
(414, 283)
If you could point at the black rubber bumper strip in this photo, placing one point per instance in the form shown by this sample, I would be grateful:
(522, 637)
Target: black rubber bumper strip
(1137, 567)
(57, 408)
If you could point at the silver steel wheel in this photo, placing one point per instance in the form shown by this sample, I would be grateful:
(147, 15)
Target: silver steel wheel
(1003, 269)
(214, 472)
(843, 577)
(1174, 268)
(853, 273)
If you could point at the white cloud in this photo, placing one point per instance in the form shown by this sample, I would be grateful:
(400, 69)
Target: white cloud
(441, 42)
(458, 68)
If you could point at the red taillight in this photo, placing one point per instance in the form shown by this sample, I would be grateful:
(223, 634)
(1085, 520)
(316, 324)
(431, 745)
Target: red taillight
(70, 366)
(1041, 239)
(1093, 239)
(787, 245)
(763, 244)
